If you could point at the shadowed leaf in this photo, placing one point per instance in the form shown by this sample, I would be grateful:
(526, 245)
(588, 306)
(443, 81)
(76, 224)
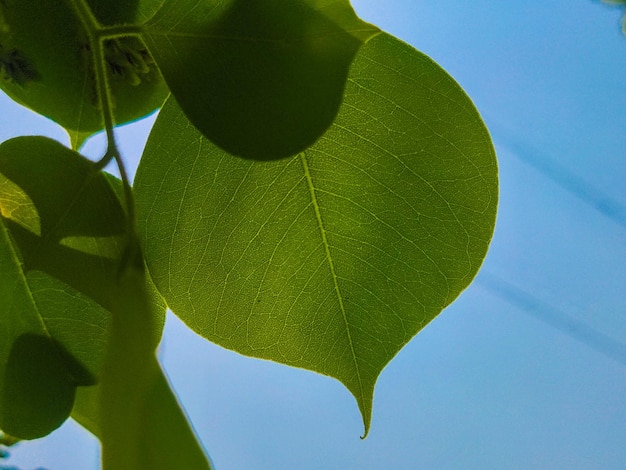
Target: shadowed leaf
(52, 331)
(74, 314)
(46, 64)
(261, 79)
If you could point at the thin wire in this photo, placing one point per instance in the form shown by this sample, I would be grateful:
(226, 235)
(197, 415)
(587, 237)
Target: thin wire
(569, 181)
(528, 303)
(553, 317)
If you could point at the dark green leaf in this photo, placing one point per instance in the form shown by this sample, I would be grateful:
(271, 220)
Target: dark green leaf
(41, 204)
(166, 442)
(262, 79)
(39, 389)
(332, 260)
(80, 309)
(116, 12)
(41, 317)
(51, 71)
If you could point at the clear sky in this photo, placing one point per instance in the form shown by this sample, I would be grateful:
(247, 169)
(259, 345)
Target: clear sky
(527, 369)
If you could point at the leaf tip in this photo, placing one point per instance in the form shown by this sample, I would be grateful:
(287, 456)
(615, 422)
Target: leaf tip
(367, 420)
(365, 403)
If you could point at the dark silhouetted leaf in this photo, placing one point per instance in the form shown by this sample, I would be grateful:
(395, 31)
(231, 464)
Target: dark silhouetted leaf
(39, 388)
(261, 79)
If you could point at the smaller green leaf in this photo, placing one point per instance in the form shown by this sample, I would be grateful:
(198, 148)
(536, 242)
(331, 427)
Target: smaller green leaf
(40, 389)
(60, 220)
(81, 329)
(263, 79)
(46, 64)
(75, 317)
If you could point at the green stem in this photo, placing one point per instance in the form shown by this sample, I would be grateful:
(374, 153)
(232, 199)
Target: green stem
(96, 44)
(120, 30)
(86, 16)
(97, 35)
(104, 97)
(129, 200)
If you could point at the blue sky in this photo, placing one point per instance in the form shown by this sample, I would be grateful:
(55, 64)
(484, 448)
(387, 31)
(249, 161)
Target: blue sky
(527, 369)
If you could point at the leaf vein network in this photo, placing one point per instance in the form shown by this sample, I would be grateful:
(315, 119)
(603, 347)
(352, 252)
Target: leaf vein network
(331, 265)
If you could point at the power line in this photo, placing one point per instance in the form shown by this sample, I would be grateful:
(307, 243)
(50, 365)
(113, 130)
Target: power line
(553, 317)
(566, 179)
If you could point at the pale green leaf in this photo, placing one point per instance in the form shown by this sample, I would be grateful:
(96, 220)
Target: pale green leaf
(261, 79)
(333, 259)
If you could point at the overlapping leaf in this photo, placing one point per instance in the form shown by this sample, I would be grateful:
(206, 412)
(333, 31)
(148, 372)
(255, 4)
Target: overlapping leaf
(46, 64)
(78, 308)
(334, 259)
(47, 234)
(261, 79)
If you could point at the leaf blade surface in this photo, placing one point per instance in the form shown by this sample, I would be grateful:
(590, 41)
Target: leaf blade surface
(333, 259)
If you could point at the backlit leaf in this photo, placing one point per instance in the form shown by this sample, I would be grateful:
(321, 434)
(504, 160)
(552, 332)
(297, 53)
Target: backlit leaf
(331, 260)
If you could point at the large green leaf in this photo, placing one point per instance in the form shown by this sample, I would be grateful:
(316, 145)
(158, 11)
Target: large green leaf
(334, 259)
(261, 79)
(80, 310)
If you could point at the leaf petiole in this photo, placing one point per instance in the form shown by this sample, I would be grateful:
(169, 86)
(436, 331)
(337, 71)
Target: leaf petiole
(97, 35)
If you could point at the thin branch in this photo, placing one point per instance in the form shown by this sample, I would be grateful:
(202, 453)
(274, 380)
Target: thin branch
(104, 98)
(120, 30)
(98, 35)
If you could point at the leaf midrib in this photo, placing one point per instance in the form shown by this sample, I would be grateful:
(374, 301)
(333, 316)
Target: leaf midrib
(22, 280)
(331, 265)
